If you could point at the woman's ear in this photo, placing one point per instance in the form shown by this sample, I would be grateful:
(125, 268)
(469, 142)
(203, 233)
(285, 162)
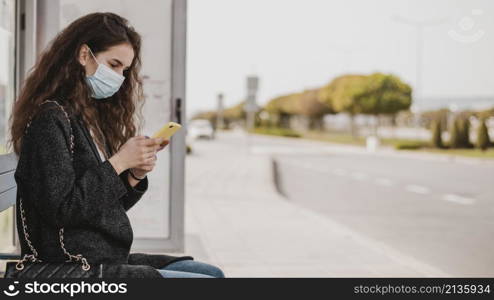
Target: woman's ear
(84, 55)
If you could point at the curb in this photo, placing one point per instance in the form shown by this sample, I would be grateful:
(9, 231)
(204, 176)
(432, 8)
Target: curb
(277, 177)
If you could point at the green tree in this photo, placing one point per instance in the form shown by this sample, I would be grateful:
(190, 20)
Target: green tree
(437, 140)
(307, 104)
(234, 114)
(211, 116)
(428, 118)
(485, 114)
(342, 93)
(464, 131)
(454, 135)
(281, 109)
(483, 141)
(373, 94)
(311, 107)
(385, 94)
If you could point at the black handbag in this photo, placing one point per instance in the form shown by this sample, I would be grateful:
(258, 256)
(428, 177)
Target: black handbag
(30, 266)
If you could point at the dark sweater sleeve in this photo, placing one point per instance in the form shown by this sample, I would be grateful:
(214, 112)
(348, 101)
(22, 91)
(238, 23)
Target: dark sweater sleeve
(60, 197)
(135, 193)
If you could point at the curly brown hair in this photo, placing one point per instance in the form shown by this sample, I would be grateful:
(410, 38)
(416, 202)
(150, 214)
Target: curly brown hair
(58, 75)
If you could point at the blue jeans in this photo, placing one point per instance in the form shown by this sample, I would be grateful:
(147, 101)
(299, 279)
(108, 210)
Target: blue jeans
(191, 269)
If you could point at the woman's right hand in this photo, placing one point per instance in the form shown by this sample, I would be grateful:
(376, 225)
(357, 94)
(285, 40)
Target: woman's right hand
(137, 151)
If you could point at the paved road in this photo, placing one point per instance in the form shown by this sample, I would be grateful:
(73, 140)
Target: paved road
(439, 212)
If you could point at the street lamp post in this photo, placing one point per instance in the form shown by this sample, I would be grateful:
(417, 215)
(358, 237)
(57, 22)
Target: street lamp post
(419, 26)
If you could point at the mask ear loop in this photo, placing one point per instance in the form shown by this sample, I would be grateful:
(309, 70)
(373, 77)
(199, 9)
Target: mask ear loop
(91, 51)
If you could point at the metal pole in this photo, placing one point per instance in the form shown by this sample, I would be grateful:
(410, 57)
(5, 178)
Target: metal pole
(220, 121)
(178, 114)
(418, 67)
(420, 27)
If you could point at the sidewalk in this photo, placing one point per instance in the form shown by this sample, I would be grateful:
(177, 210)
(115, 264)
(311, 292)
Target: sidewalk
(236, 220)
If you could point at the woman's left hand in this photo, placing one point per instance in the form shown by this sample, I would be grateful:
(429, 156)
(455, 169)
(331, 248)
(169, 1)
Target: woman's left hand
(163, 145)
(142, 171)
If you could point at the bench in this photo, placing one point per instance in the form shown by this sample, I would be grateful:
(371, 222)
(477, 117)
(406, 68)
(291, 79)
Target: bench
(8, 191)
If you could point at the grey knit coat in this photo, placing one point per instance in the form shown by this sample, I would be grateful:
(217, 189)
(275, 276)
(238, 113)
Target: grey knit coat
(85, 195)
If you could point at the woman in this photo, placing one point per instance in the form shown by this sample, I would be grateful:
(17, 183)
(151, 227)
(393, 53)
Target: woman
(86, 85)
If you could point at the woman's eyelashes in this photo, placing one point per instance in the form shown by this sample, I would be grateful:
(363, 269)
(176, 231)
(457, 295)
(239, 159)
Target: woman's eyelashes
(113, 63)
(117, 66)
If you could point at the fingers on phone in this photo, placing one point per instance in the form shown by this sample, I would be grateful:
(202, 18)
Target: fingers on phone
(149, 142)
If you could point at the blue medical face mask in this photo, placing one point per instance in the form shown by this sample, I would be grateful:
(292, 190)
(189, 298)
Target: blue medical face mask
(104, 82)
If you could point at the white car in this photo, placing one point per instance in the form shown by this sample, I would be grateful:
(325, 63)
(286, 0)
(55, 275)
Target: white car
(200, 129)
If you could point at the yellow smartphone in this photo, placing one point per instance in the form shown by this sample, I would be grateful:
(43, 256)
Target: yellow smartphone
(167, 131)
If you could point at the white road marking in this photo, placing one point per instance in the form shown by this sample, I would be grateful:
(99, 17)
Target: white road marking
(384, 182)
(359, 176)
(458, 199)
(418, 189)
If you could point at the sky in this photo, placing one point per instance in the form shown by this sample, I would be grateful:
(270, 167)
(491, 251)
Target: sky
(294, 45)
